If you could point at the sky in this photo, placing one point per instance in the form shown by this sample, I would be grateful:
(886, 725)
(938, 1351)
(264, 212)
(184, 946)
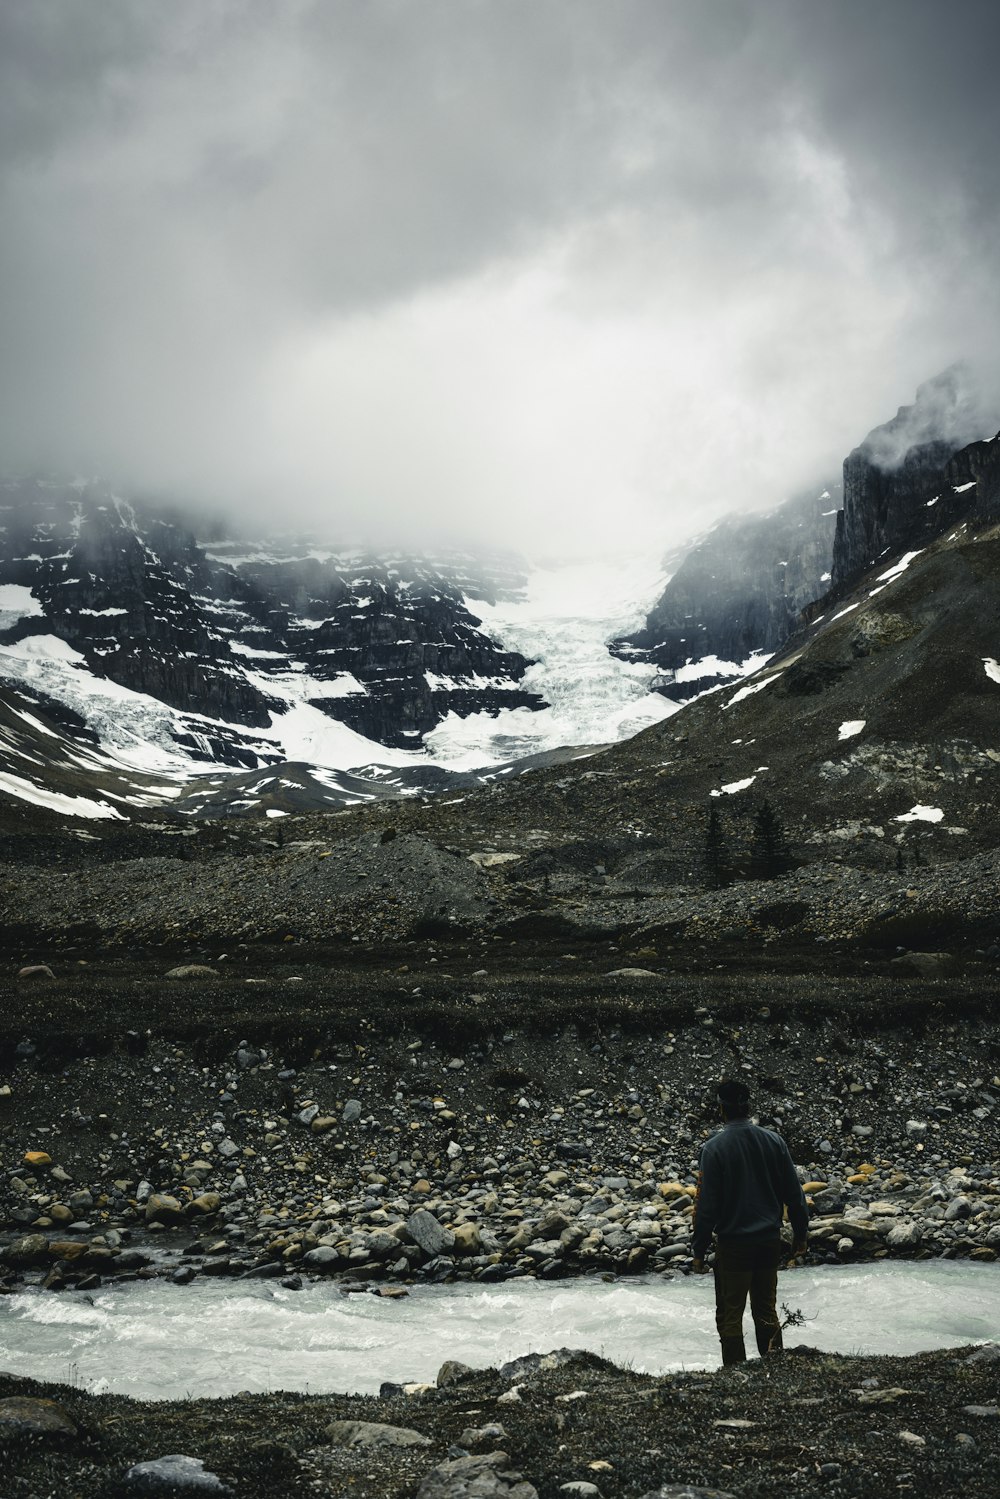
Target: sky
(573, 276)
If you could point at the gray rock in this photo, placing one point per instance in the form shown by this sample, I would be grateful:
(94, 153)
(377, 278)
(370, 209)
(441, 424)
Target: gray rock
(985, 1412)
(989, 1353)
(33, 1249)
(531, 1363)
(428, 1233)
(959, 1207)
(581, 1488)
(686, 1491)
(830, 1200)
(190, 971)
(904, 1235)
(451, 1371)
(172, 1474)
(481, 1436)
(374, 1434)
(323, 1257)
(484, 1477)
(25, 1419)
(352, 1111)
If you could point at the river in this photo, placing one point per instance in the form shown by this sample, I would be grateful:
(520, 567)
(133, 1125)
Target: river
(155, 1340)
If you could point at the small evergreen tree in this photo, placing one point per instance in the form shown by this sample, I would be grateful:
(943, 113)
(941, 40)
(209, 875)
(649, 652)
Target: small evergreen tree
(718, 864)
(769, 855)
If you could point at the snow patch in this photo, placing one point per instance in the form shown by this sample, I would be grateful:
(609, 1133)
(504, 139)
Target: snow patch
(894, 572)
(17, 602)
(992, 668)
(921, 814)
(751, 689)
(70, 806)
(850, 727)
(733, 787)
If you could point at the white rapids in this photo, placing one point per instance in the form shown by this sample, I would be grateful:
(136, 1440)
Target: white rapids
(154, 1340)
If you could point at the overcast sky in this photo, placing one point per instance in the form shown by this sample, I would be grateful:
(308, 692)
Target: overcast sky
(562, 274)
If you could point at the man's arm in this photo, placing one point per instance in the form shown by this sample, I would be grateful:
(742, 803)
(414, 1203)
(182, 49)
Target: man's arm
(795, 1201)
(706, 1207)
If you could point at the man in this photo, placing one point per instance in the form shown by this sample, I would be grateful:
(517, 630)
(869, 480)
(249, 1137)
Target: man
(746, 1177)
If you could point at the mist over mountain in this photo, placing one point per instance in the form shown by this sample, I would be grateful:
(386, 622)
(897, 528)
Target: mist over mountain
(571, 278)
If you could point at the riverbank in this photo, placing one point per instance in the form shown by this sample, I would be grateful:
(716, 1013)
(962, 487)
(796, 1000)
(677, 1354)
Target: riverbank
(797, 1424)
(460, 1114)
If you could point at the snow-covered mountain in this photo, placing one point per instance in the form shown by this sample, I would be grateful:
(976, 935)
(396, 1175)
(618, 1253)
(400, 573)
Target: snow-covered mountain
(323, 675)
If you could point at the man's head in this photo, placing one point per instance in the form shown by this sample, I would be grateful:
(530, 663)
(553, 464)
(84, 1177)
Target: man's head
(734, 1099)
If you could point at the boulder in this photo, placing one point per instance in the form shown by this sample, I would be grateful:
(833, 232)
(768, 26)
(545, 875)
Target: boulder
(485, 1477)
(207, 1202)
(425, 1231)
(450, 1372)
(190, 971)
(467, 1238)
(174, 1473)
(686, 1491)
(33, 1249)
(161, 1208)
(25, 1419)
(374, 1434)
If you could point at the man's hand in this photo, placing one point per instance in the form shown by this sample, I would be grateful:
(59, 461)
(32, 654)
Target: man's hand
(698, 1267)
(799, 1248)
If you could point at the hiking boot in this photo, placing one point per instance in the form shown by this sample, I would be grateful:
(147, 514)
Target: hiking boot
(733, 1351)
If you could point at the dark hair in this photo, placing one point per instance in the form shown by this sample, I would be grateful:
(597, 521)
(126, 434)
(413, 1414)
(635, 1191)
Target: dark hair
(734, 1097)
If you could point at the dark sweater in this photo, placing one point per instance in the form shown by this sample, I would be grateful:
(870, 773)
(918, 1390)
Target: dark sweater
(746, 1177)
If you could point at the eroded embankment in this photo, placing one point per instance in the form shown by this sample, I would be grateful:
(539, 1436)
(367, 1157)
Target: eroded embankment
(796, 1424)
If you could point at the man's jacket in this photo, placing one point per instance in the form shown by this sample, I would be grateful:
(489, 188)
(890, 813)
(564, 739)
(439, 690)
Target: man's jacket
(746, 1178)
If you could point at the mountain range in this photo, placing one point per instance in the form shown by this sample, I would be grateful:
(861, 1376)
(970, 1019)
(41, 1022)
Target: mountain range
(147, 670)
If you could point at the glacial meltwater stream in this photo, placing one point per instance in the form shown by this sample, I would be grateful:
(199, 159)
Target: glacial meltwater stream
(154, 1340)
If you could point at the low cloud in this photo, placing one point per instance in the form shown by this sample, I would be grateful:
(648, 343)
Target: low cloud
(564, 276)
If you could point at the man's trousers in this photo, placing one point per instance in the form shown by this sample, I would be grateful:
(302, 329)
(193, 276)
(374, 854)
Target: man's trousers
(747, 1267)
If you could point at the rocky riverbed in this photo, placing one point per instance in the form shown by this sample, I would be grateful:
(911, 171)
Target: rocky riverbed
(374, 1125)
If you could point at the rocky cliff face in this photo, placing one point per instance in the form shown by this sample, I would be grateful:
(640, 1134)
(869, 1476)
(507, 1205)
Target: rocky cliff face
(916, 476)
(237, 635)
(738, 593)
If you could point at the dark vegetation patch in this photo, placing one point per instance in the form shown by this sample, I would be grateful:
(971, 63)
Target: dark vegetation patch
(922, 930)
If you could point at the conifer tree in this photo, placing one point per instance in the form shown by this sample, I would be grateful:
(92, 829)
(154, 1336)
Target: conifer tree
(718, 865)
(769, 855)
